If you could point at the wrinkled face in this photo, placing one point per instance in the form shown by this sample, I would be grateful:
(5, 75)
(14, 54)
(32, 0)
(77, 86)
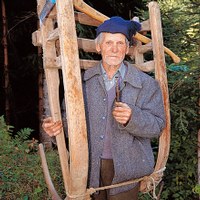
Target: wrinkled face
(113, 48)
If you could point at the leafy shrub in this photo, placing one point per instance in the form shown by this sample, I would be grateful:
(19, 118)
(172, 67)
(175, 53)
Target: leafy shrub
(180, 177)
(21, 175)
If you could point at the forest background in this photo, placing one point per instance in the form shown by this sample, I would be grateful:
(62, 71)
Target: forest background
(20, 171)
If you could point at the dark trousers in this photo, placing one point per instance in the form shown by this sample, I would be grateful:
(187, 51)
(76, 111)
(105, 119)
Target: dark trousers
(106, 177)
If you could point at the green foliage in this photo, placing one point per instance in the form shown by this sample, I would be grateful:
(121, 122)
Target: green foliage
(5, 131)
(181, 27)
(21, 175)
(181, 22)
(196, 189)
(180, 177)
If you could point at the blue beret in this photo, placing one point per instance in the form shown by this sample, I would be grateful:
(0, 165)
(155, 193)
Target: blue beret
(119, 25)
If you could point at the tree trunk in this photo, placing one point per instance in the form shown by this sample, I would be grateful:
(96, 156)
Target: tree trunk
(6, 71)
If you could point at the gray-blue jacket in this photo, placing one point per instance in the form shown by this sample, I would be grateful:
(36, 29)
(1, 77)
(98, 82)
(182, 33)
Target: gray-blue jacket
(131, 146)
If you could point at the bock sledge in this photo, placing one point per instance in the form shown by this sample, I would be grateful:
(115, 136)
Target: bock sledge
(74, 162)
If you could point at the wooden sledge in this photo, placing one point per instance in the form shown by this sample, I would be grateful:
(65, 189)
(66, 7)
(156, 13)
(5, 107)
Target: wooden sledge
(74, 164)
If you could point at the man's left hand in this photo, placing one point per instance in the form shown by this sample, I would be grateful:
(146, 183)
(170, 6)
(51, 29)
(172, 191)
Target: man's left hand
(122, 113)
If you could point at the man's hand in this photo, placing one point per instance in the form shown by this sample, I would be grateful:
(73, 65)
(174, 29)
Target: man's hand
(122, 113)
(52, 128)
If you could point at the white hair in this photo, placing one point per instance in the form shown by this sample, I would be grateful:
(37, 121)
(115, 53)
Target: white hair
(99, 39)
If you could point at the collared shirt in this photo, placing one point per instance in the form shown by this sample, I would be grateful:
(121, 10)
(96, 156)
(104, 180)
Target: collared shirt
(109, 83)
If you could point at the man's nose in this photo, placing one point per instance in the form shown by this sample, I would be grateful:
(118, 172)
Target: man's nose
(114, 48)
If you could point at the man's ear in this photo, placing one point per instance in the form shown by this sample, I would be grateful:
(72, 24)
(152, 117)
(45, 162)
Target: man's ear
(127, 50)
(98, 48)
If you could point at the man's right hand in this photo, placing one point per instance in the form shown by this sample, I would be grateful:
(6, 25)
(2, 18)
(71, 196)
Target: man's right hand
(52, 128)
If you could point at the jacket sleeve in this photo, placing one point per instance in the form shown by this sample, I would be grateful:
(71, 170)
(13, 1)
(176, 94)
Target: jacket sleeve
(148, 116)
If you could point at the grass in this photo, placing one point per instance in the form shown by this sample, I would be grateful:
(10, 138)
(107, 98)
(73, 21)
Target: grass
(21, 176)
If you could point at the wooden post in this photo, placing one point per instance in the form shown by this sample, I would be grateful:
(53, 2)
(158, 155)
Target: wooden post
(44, 138)
(75, 112)
(139, 57)
(161, 76)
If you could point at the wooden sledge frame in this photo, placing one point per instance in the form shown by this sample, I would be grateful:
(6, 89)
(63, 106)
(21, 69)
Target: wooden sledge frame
(76, 171)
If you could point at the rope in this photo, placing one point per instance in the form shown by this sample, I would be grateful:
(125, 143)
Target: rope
(151, 185)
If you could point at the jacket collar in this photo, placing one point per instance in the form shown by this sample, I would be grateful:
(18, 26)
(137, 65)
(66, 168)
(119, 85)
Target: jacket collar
(132, 76)
(93, 71)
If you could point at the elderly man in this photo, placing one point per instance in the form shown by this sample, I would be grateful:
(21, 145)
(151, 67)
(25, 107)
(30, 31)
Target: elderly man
(120, 124)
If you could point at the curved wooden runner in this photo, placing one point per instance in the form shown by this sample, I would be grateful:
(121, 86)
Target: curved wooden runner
(161, 76)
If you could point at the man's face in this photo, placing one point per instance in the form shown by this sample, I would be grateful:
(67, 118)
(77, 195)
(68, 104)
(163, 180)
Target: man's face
(113, 49)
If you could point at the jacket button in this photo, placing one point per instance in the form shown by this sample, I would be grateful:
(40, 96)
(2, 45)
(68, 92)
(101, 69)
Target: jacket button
(101, 137)
(103, 117)
(104, 99)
